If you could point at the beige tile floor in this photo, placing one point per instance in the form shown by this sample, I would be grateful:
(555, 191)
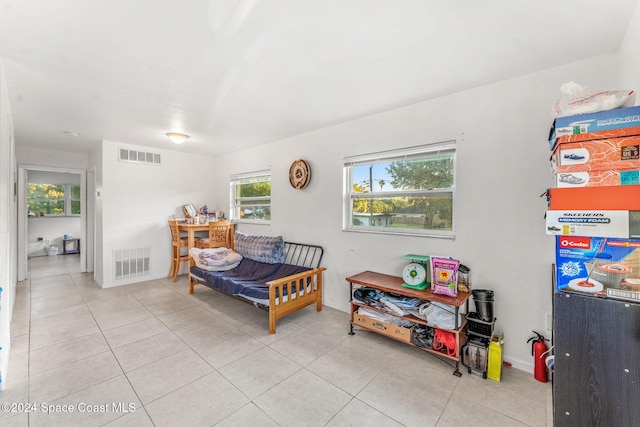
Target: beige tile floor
(150, 354)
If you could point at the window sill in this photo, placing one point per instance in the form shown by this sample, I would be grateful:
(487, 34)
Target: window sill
(397, 232)
(248, 221)
(54, 216)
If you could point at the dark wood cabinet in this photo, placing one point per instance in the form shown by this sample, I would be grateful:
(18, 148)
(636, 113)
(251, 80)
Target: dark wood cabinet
(596, 380)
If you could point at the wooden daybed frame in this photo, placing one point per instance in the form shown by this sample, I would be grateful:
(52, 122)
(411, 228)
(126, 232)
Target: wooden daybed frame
(287, 294)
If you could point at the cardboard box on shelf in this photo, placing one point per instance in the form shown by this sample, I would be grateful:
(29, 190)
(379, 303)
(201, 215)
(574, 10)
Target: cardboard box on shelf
(605, 154)
(621, 197)
(594, 122)
(598, 178)
(598, 266)
(595, 136)
(385, 328)
(594, 223)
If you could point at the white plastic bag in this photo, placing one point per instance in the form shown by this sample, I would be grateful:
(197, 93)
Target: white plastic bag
(441, 315)
(577, 100)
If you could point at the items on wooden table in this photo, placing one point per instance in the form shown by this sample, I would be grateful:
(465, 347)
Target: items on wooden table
(189, 210)
(192, 229)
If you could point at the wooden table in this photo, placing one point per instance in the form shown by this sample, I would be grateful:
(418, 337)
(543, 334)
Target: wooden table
(192, 228)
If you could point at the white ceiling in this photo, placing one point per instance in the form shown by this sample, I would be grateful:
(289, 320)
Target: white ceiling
(237, 73)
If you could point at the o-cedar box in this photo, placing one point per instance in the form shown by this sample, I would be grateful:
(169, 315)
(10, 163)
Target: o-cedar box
(598, 266)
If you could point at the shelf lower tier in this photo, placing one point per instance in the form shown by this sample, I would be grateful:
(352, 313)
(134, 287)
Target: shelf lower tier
(355, 304)
(403, 334)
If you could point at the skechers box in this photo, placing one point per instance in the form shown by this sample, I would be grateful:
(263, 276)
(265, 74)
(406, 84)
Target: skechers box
(609, 153)
(594, 122)
(594, 223)
(599, 266)
(599, 178)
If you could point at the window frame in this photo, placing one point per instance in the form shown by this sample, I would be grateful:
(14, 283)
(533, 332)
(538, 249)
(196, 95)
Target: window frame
(235, 206)
(409, 153)
(67, 201)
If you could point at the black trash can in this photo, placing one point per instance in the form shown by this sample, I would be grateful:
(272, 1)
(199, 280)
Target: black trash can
(483, 299)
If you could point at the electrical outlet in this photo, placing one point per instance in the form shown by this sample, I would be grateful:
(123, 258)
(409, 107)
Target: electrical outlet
(549, 321)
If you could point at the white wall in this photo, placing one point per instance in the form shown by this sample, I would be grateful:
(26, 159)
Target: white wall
(56, 158)
(630, 56)
(51, 230)
(502, 169)
(8, 232)
(137, 200)
(95, 164)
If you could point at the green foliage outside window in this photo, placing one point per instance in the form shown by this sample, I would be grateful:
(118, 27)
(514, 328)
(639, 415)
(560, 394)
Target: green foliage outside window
(252, 198)
(53, 199)
(400, 192)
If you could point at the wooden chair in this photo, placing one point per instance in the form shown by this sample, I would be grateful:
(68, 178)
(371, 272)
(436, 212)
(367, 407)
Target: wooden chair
(177, 244)
(219, 236)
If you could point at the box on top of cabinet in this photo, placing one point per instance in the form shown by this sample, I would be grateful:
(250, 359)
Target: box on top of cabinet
(598, 266)
(594, 122)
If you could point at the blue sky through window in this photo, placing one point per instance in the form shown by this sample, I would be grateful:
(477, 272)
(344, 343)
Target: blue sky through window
(378, 171)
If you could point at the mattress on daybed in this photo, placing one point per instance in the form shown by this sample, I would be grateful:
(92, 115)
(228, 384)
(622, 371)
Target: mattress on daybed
(248, 279)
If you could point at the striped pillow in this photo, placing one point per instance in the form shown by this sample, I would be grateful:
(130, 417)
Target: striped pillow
(267, 249)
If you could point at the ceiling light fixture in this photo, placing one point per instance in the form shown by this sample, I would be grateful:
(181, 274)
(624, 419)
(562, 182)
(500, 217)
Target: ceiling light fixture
(177, 137)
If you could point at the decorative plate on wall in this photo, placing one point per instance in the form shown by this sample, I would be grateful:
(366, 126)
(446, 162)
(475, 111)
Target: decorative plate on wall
(299, 174)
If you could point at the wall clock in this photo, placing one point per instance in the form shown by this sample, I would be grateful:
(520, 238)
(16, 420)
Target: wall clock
(299, 174)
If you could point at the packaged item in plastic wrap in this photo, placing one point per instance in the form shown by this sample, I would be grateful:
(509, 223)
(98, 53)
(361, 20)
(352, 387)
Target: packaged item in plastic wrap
(444, 272)
(442, 316)
(577, 100)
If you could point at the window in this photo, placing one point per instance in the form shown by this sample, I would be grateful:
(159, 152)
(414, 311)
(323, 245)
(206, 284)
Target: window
(408, 191)
(251, 197)
(53, 199)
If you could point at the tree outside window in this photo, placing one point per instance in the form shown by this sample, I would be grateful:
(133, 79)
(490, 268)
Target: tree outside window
(251, 197)
(402, 192)
(53, 199)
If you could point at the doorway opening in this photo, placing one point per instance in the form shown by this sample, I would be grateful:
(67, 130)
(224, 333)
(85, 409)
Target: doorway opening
(54, 216)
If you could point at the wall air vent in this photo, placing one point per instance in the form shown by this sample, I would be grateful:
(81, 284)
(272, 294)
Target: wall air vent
(131, 263)
(136, 156)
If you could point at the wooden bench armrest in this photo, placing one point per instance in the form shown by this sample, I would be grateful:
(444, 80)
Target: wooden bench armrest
(302, 289)
(293, 277)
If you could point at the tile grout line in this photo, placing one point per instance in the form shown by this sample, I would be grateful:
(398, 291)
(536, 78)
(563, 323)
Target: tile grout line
(114, 356)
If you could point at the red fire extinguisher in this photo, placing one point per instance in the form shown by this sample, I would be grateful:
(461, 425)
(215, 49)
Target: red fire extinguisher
(539, 350)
